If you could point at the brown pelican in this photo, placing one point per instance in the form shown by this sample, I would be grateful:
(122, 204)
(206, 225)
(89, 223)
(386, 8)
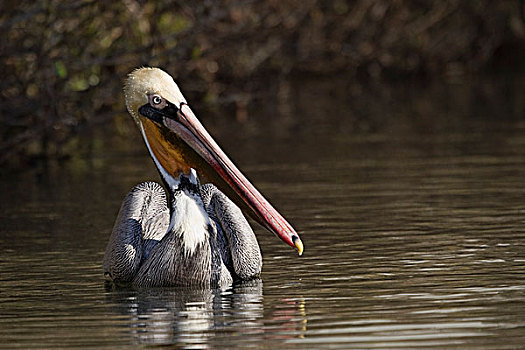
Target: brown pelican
(195, 235)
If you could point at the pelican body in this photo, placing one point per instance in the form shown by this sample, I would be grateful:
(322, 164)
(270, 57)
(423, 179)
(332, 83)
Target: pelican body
(192, 234)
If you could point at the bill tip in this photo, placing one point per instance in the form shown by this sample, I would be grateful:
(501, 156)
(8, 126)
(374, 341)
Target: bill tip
(298, 244)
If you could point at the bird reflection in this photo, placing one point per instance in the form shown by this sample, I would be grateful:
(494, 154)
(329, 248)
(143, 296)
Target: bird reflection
(207, 318)
(188, 317)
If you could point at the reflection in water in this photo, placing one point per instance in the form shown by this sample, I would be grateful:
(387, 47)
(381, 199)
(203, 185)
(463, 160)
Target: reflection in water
(291, 315)
(188, 316)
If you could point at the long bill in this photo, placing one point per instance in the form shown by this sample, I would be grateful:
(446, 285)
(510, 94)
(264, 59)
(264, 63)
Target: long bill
(177, 148)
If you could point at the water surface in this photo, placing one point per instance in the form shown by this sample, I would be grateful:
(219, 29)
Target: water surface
(410, 202)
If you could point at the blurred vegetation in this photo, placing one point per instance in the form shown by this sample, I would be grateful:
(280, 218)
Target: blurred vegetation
(62, 62)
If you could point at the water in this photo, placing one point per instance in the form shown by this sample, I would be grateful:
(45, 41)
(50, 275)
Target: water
(410, 202)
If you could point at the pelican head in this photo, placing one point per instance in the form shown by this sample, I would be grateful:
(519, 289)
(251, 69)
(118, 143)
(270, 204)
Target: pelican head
(178, 142)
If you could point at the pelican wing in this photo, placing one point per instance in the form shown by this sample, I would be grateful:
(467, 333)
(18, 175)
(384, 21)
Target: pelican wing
(142, 221)
(245, 252)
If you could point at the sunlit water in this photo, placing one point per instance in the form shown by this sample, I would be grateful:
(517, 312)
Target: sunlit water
(412, 214)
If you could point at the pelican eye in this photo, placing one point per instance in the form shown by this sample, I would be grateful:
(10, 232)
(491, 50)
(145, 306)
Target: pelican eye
(157, 101)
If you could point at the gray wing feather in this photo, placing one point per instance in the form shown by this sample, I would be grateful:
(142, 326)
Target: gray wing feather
(142, 221)
(245, 252)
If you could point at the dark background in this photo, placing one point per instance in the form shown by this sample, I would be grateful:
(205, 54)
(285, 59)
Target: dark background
(62, 63)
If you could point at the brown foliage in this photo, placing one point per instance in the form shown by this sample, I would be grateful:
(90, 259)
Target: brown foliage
(62, 63)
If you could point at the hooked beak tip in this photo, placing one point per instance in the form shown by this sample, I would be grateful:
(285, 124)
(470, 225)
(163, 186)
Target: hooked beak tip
(298, 244)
